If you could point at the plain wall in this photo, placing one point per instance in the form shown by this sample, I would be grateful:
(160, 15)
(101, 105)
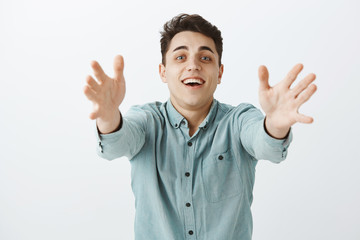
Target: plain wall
(54, 186)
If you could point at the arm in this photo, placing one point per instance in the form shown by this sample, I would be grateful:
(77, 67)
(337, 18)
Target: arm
(107, 94)
(281, 103)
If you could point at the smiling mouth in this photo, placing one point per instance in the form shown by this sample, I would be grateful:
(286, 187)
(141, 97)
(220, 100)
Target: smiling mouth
(193, 82)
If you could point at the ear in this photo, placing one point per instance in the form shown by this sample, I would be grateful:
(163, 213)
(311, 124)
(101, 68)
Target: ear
(221, 71)
(162, 70)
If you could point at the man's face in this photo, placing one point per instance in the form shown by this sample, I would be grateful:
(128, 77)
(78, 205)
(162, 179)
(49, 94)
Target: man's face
(192, 70)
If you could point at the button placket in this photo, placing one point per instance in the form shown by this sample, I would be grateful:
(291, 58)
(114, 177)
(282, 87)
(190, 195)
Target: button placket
(188, 209)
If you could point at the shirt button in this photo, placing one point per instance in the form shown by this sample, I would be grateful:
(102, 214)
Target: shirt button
(100, 147)
(191, 232)
(176, 125)
(189, 144)
(187, 174)
(188, 204)
(221, 157)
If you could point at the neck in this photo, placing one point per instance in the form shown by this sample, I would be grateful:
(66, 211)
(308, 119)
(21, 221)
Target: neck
(195, 115)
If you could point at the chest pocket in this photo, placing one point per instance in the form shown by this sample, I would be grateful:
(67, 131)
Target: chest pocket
(221, 177)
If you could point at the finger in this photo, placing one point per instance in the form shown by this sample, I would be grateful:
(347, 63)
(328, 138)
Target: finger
(305, 95)
(118, 67)
(301, 118)
(92, 83)
(98, 71)
(90, 94)
(95, 114)
(264, 78)
(292, 75)
(301, 86)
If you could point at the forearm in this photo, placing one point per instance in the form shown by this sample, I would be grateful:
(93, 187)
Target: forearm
(261, 145)
(257, 141)
(125, 142)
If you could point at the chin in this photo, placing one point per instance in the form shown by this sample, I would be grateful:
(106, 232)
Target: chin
(197, 102)
(186, 100)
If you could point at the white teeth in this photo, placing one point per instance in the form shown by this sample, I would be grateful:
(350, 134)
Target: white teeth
(187, 81)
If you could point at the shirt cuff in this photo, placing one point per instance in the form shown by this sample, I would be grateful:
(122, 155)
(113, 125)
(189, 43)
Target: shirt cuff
(281, 144)
(107, 136)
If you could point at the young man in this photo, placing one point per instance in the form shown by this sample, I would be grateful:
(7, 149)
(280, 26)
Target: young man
(193, 158)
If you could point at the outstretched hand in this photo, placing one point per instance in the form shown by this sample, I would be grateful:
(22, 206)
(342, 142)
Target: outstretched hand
(281, 103)
(106, 94)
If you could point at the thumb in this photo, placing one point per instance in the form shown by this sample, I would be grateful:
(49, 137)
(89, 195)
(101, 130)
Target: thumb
(264, 78)
(118, 67)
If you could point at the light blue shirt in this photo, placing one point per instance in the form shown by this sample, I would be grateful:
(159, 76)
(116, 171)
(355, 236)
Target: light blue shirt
(197, 187)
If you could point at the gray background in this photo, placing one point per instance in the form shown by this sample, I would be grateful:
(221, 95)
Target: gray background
(53, 185)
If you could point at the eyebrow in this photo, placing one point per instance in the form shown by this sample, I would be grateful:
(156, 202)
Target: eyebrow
(205, 48)
(202, 48)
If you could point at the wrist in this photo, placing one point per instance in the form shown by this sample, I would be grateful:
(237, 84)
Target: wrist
(274, 130)
(110, 123)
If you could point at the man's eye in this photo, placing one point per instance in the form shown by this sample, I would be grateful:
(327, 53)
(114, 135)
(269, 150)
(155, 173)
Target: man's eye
(205, 58)
(180, 58)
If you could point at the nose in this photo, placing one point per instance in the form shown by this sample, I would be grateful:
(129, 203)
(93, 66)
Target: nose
(193, 64)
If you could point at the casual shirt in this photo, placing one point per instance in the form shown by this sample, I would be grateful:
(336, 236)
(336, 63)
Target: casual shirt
(197, 187)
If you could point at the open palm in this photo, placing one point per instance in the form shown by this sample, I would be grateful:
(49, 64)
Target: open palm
(281, 103)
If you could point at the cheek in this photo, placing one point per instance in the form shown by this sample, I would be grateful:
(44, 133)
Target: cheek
(215, 75)
(172, 74)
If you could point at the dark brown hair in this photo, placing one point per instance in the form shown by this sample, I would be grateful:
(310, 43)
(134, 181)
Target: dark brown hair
(194, 23)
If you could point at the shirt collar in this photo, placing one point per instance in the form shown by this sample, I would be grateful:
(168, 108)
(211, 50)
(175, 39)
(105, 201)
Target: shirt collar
(176, 118)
